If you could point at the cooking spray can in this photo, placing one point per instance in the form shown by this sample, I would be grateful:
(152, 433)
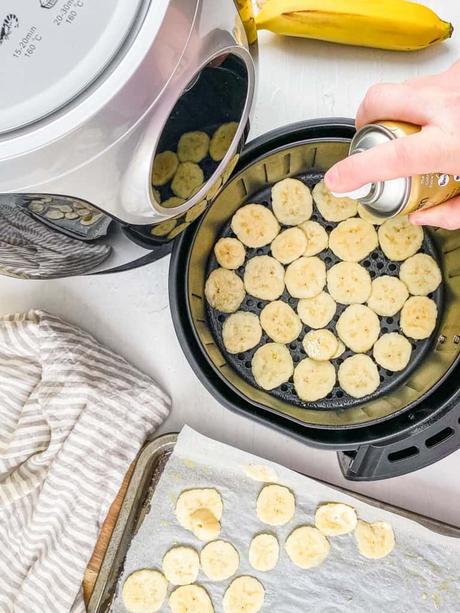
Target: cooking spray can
(387, 199)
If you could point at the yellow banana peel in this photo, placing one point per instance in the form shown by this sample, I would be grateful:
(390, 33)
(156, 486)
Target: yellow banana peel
(384, 24)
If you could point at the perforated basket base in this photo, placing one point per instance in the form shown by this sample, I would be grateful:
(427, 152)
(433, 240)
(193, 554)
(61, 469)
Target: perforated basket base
(377, 265)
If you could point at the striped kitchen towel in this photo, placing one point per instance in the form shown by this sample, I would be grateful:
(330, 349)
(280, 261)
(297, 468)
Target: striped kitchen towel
(73, 416)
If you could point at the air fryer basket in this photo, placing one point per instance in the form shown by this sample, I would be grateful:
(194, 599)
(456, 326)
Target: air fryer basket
(432, 361)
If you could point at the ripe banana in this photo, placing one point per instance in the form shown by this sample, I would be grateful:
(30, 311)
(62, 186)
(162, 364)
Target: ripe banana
(385, 24)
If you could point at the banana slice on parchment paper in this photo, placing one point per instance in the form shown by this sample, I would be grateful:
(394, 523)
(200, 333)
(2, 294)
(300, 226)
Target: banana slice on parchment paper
(280, 322)
(204, 524)
(353, 239)
(306, 277)
(190, 599)
(374, 540)
(219, 560)
(418, 317)
(193, 146)
(358, 327)
(181, 565)
(331, 207)
(272, 365)
(289, 245)
(318, 311)
(264, 552)
(314, 380)
(292, 202)
(255, 225)
(320, 344)
(221, 140)
(264, 277)
(144, 591)
(241, 331)
(388, 295)
(230, 253)
(335, 518)
(224, 290)
(349, 283)
(421, 274)
(317, 237)
(399, 239)
(244, 595)
(164, 167)
(188, 178)
(275, 505)
(392, 351)
(358, 376)
(307, 547)
(191, 500)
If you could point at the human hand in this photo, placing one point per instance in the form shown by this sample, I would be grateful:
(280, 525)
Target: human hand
(432, 102)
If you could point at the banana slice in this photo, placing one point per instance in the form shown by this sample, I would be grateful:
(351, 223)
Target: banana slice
(144, 591)
(289, 245)
(259, 472)
(219, 560)
(264, 277)
(193, 146)
(188, 178)
(399, 239)
(55, 214)
(365, 214)
(255, 225)
(421, 274)
(164, 167)
(224, 290)
(264, 552)
(36, 207)
(388, 295)
(71, 216)
(313, 380)
(317, 238)
(307, 547)
(320, 344)
(340, 350)
(181, 565)
(292, 202)
(272, 365)
(204, 525)
(163, 228)
(359, 376)
(244, 595)
(177, 230)
(353, 239)
(392, 351)
(192, 500)
(375, 540)
(190, 599)
(418, 317)
(280, 322)
(318, 311)
(195, 211)
(335, 518)
(230, 253)
(349, 283)
(221, 140)
(275, 505)
(241, 331)
(306, 277)
(331, 207)
(172, 202)
(358, 327)
(230, 168)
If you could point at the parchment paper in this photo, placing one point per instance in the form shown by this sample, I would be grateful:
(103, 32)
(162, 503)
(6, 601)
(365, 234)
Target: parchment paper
(421, 574)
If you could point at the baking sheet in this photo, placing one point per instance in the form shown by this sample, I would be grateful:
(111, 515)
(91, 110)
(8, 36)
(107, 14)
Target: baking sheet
(421, 574)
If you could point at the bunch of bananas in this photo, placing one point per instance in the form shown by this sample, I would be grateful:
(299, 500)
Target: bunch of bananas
(385, 24)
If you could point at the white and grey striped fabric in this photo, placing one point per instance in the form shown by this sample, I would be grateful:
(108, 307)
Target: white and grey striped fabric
(73, 415)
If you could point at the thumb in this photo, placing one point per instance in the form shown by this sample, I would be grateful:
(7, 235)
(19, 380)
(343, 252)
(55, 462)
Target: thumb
(446, 215)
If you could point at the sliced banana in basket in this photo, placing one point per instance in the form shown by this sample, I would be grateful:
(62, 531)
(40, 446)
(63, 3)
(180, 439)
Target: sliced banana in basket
(187, 179)
(317, 237)
(255, 225)
(335, 518)
(331, 207)
(164, 167)
(320, 344)
(144, 591)
(353, 239)
(306, 277)
(307, 547)
(190, 501)
(418, 317)
(289, 245)
(280, 322)
(388, 295)
(318, 311)
(314, 380)
(340, 350)
(272, 365)
(392, 351)
(181, 565)
(374, 540)
(204, 524)
(224, 290)
(264, 552)
(241, 331)
(190, 599)
(358, 327)
(264, 277)
(292, 202)
(244, 595)
(219, 560)
(373, 219)
(349, 283)
(421, 274)
(359, 376)
(172, 203)
(230, 253)
(275, 505)
(399, 239)
(221, 140)
(193, 146)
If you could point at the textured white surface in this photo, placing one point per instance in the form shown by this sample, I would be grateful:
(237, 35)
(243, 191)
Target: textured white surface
(298, 79)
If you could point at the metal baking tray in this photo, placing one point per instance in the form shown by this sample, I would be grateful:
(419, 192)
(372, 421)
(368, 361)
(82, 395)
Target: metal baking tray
(136, 504)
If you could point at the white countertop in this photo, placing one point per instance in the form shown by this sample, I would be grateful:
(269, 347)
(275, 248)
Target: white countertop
(129, 312)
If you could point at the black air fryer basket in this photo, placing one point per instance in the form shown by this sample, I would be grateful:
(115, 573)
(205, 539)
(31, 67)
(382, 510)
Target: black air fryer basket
(413, 419)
